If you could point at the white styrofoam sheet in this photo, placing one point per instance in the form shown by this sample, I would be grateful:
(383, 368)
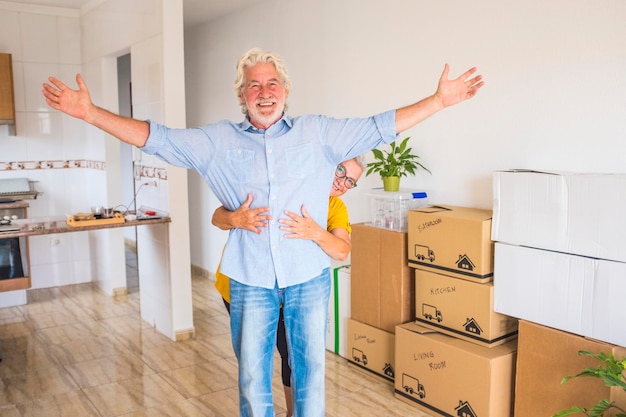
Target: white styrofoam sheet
(581, 214)
(577, 294)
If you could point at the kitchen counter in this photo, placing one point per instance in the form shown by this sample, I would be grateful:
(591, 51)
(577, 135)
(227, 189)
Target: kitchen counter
(49, 225)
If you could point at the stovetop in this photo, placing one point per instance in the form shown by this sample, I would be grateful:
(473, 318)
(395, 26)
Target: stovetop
(9, 227)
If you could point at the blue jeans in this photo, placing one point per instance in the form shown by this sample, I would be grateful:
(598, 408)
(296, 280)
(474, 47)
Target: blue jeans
(254, 315)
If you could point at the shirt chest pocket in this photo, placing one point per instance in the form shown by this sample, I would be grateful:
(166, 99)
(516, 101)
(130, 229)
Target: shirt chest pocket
(240, 165)
(300, 160)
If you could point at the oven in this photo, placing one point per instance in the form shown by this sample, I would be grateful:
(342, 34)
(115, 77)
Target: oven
(13, 250)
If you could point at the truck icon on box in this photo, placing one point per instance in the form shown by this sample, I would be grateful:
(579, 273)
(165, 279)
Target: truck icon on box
(413, 386)
(424, 252)
(359, 357)
(431, 313)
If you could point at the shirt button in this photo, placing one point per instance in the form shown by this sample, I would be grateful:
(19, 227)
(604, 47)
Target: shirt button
(269, 151)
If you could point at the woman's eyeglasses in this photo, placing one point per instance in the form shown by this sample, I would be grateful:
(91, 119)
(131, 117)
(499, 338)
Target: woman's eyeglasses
(348, 182)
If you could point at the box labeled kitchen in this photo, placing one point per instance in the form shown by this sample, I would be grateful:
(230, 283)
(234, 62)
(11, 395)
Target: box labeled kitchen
(371, 349)
(461, 308)
(581, 214)
(451, 377)
(576, 294)
(389, 209)
(452, 240)
(382, 291)
(338, 310)
(545, 356)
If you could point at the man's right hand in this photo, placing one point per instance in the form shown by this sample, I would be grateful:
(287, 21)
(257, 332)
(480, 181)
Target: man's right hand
(243, 218)
(77, 103)
(59, 96)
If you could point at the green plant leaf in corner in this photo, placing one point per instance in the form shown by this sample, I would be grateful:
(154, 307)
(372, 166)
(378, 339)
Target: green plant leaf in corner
(611, 372)
(570, 411)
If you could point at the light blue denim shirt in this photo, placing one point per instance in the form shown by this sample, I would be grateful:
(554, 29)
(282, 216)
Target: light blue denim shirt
(290, 164)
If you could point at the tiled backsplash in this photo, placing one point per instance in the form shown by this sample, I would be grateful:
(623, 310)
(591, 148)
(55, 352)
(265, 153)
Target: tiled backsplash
(145, 171)
(28, 165)
(140, 171)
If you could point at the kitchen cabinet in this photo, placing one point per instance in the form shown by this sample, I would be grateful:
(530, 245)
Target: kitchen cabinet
(7, 95)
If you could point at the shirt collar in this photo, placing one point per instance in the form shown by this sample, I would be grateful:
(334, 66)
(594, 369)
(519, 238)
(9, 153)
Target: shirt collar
(285, 122)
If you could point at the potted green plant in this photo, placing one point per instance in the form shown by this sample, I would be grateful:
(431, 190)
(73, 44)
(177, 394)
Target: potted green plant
(395, 163)
(612, 373)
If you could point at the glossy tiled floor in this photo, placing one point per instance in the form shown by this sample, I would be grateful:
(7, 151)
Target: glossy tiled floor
(74, 351)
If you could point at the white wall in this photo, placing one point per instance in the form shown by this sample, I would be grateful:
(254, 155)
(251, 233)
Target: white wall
(555, 74)
(152, 31)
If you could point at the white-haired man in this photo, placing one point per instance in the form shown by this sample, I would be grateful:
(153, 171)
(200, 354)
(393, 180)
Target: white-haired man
(284, 162)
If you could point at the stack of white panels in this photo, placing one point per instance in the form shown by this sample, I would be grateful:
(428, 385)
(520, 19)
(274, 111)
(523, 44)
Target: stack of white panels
(560, 253)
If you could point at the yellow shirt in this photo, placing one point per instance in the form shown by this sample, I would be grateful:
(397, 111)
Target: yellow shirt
(337, 218)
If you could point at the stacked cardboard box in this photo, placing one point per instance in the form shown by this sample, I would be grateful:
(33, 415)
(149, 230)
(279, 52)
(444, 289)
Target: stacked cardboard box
(460, 350)
(545, 356)
(383, 291)
(451, 377)
(381, 297)
(461, 308)
(371, 349)
(454, 285)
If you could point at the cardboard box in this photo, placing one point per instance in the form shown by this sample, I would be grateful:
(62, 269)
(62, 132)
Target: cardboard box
(389, 209)
(371, 349)
(545, 356)
(451, 377)
(452, 240)
(581, 214)
(461, 309)
(338, 310)
(573, 293)
(382, 291)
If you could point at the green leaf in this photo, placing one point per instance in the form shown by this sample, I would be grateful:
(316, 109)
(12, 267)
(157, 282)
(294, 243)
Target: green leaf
(398, 161)
(611, 372)
(570, 411)
(600, 408)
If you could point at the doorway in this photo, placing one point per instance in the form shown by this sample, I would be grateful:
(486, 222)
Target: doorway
(127, 167)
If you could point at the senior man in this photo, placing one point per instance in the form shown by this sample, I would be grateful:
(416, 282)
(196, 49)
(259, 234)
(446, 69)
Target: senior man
(284, 162)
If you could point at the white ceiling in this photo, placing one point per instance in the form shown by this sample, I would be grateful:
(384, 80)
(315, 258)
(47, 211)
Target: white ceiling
(195, 11)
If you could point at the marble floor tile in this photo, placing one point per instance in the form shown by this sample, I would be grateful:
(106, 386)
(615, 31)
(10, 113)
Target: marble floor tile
(72, 403)
(35, 384)
(131, 395)
(109, 369)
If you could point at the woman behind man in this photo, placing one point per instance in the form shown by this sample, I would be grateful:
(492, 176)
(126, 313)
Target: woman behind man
(334, 240)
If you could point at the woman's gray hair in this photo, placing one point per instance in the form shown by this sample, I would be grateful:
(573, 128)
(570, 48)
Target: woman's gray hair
(251, 58)
(361, 161)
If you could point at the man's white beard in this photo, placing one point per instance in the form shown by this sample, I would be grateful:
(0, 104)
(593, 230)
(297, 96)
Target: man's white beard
(265, 120)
